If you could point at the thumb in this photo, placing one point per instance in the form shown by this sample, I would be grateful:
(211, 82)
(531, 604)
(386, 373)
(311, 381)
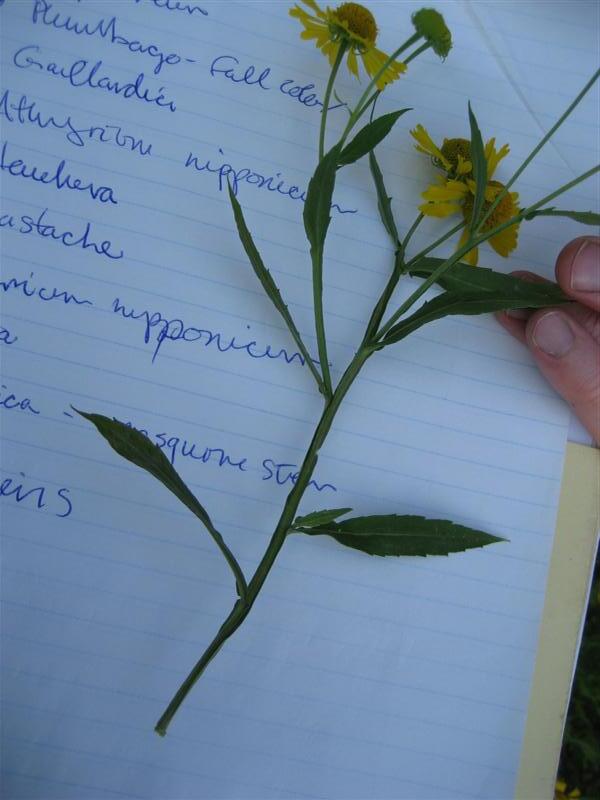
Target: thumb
(568, 356)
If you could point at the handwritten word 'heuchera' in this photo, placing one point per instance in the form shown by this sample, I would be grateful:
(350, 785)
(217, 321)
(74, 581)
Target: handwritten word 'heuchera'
(26, 288)
(44, 14)
(178, 5)
(227, 66)
(159, 328)
(37, 496)
(225, 173)
(27, 225)
(24, 111)
(80, 74)
(58, 178)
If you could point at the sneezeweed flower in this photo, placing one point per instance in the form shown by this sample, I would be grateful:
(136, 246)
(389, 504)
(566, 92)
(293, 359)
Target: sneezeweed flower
(350, 25)
(560, 792)
(453, 192)
(430, 24)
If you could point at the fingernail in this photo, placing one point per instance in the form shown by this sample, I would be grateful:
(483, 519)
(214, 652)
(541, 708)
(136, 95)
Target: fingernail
(519, 313)
(585, 269)
(553, 335)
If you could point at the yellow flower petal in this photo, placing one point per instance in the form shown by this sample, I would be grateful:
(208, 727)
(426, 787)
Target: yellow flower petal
(493, 156)
(473, 255)
(439, 209)
(425, 144)
(353, 63)
(451, 190)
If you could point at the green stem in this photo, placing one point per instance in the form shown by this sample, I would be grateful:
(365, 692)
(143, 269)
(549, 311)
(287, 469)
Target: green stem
(538, 147)
(328, 90)
(242, 607)
(240, 580)
(475, 242)
(435, 244)
(363, 103)
(411, 230)
(417, 52)
(317, 282)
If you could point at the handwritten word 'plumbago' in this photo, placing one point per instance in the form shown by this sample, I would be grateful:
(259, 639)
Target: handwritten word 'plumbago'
(37, 496)
(175, 445)
(225, 173)
(178, 5)
(24, 287)
(57, 178)
(227, 66)
(26, 225)
(79, 73)
(159, 328)
(106, 29)
(24, 111)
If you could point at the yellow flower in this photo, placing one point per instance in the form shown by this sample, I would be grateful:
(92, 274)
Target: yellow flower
(353, 26)
(560, 792)
(453, 192)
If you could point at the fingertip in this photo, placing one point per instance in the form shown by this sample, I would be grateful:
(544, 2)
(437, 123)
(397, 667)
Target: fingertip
(515, 325)
(578, 270)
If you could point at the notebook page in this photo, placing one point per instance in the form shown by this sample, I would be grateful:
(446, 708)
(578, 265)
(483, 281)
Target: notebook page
(352, 677)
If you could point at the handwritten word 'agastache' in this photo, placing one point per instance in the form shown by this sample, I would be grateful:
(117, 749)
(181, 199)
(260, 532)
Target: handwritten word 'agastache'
(27, 225)
(229, 67)
(58, 178)
(44, 14)
(178, 5)
(225, 173)
(160, 328)
(21, 110)
(80, 74)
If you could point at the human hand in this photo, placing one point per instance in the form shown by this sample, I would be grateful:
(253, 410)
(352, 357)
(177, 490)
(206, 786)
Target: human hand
(565, 341)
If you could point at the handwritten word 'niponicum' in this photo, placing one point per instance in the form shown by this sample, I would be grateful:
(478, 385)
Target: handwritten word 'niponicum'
(81, 74)
(37, 496)
(26, 287)
(58, 178)
(229, 67)
(159, 328)
(44, 14)
(26, 225)
(225, 173)
(21, 110)
(178, 5)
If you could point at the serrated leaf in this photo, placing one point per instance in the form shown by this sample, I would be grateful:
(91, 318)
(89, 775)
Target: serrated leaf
(319, 195)
(384, 202)
(462, 277)
(584, 217)
(320, 517)
(479, 169)
(369, 137)
(264, 276)
(409, 535)
(521, 295)
(137, 448)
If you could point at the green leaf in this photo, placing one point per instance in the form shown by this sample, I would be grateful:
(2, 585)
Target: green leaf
(394, 535)
(466, 278)
(521, 294)
(320, 517)
(384, 202)
(319, 195)
(479, 169)
(369, 137)
(584, 217)
(268, 284)
(137, 448)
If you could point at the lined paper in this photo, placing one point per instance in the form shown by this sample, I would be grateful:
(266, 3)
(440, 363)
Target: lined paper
(352, 677)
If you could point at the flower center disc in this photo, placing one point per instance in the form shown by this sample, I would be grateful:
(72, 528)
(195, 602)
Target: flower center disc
(359, 20)
(453, 148)
(502, 213)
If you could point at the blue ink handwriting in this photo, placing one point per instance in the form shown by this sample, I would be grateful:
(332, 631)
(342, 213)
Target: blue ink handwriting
(67, 238)
(25, 288)
(107, 29)
(23, 112)
(160, 328)
(288, 473)
(275, 183)
(80, 73)
(37, 495)
(178, 5)
(246, 77)
(58, 178)
(6, 337)
(11, 402)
